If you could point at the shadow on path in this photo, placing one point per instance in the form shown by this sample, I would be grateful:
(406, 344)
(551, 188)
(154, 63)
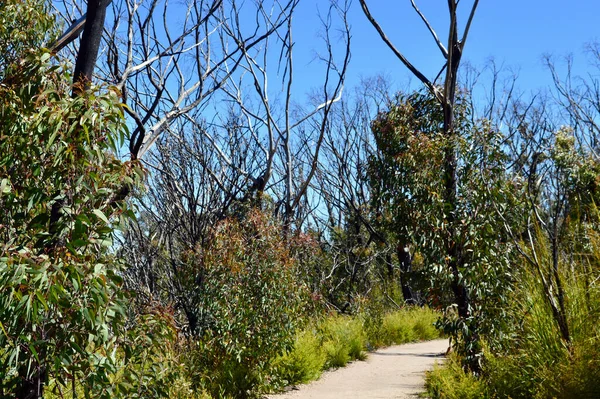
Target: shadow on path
(439, 355)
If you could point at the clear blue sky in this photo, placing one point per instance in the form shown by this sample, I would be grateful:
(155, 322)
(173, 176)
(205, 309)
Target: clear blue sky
(516, 33)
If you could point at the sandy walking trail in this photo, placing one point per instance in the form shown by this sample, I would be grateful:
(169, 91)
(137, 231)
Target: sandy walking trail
(393, 372)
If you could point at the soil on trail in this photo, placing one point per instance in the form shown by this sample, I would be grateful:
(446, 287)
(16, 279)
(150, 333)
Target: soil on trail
(393, 372)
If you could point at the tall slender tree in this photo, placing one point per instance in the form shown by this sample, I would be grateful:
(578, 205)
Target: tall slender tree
(445, 93)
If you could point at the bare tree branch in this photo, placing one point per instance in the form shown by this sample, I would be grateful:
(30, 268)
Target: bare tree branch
(398, 54)
(431, 30)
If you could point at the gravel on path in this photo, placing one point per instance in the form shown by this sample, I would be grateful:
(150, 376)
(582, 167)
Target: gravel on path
(393, 372)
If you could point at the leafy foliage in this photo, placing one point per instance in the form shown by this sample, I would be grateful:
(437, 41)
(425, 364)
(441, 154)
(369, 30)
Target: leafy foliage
(409, 191)
(24, 25)
(63, 316)
(250, 305)
(534, 361)
(549, 348)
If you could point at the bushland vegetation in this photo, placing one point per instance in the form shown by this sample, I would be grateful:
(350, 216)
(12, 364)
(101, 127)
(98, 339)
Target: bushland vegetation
(149, 248)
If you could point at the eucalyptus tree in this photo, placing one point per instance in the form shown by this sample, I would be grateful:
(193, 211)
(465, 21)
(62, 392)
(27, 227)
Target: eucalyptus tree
(445, 93)
(62, 317)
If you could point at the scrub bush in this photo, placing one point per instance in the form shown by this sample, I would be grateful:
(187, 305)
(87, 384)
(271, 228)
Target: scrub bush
(250, 305)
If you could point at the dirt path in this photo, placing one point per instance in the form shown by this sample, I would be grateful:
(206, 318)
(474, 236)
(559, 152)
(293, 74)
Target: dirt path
(394, 372)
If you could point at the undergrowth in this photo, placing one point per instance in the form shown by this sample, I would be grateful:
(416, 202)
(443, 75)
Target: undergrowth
(449, 381)
(336, 340)
(330, 341)
(534, 362)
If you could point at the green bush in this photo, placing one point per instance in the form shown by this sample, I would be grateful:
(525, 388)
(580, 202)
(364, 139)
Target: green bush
(533, 361)
(149, 365)
(63, 319)
(397, 328)
(250, 304)
(304, 362)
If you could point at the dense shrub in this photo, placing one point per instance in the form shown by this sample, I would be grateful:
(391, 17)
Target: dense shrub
(533, 361)
(63, 318)
(250, 302)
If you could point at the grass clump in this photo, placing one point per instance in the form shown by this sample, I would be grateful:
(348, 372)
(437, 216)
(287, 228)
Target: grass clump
(335, 341)
(343, 340)
(405, 325)
(449, 381)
